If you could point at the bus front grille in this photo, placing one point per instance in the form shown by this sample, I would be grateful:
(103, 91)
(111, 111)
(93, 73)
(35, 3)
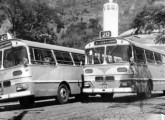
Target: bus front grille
(106, 78)
(109, 78)
(99, 79)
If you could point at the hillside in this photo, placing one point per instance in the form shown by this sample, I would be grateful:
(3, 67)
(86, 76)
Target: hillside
(71, 23)
(86, 9)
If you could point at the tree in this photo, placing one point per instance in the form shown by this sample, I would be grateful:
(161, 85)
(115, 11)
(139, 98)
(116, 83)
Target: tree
(77, 35)
(152, 17)
(33, 20)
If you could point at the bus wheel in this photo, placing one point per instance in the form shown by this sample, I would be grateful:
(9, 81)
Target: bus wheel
(26, 101)
(107, 97)
(63, 94)
(147, 93)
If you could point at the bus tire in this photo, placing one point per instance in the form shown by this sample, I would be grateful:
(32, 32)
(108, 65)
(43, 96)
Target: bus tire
(27, 101)
(107, 97)
(148, 93)
(63, 94)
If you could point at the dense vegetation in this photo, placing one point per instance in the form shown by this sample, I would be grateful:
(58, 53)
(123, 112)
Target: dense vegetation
(152, 18)
(73, 23)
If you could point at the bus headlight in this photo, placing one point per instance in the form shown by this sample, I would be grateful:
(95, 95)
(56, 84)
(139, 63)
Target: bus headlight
(89, 71)
(122, 69)
(87, 85)
(22, 87)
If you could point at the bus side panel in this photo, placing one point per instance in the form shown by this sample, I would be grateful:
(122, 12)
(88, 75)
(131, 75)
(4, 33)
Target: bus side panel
(48, 78)
(157, 72)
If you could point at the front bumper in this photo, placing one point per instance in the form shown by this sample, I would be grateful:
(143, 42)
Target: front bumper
(15, 95)
(108, 90)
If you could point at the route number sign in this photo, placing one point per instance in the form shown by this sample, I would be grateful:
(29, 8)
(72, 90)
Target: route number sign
(105, 34)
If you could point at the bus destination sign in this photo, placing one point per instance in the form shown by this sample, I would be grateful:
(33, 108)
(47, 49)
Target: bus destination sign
(105, 34)
(103, 42)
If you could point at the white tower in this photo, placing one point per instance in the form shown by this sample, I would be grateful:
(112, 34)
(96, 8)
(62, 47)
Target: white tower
(110, 18)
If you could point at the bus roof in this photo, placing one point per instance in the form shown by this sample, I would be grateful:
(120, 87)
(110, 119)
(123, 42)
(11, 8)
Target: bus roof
(147, 47)
(124, 41)
(41, 45)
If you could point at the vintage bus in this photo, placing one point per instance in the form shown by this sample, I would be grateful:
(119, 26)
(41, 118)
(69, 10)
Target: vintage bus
(119, 65)
(30, 70)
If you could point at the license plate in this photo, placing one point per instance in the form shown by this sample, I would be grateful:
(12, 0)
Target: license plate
(104, 86)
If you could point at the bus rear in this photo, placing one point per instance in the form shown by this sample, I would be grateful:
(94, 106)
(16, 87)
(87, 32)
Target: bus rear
(107, 69)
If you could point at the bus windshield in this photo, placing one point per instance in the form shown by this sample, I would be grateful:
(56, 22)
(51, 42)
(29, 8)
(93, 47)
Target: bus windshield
(113, 54)
(95, 55)
(15, 56)
(116, 54)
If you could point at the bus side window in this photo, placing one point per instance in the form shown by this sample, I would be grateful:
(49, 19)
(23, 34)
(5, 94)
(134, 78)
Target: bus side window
(78, 59)
(67, 58)
(38, 56)
(43, 56)
(48, 57)
(63, 57)
(82, 59)
(139, 55)
(59, 57)
(149, 56)
(158, 58)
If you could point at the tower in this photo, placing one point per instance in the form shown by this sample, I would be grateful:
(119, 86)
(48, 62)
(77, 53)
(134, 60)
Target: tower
(110, 18)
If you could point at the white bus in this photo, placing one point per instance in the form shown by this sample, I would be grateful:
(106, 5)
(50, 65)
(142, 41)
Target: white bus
(119, 65)
(30, 70)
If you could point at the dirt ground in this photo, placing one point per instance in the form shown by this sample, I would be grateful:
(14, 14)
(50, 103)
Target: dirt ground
(122, 107)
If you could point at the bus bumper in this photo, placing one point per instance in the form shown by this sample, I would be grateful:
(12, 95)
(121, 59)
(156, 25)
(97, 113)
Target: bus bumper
(108, 90)
(15, 95)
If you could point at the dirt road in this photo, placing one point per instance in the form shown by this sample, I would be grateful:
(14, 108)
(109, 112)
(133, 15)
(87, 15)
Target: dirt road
(123, 107)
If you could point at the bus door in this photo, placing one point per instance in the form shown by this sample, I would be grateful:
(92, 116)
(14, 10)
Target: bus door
(141, 72)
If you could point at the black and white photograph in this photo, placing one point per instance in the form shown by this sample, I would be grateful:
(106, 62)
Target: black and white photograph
(82, 59)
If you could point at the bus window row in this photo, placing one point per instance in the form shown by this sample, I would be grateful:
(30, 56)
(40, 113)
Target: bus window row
(18, 56)
(122, 53)
(143, 56)
(46, 56)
